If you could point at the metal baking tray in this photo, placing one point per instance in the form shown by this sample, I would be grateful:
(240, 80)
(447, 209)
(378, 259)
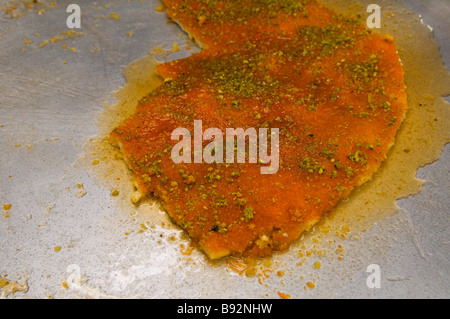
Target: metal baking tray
(71, 241)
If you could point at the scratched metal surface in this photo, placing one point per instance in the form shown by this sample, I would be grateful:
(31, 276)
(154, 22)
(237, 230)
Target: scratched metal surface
(50, 99)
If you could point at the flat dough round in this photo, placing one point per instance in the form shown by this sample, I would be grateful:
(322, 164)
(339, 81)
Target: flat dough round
(334, 90)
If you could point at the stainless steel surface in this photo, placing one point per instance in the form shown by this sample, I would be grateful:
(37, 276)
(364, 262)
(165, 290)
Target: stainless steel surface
(50, 99)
